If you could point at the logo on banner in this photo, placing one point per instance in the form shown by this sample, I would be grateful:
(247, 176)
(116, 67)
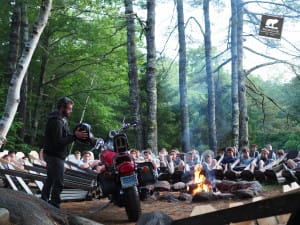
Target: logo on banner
(271, 26)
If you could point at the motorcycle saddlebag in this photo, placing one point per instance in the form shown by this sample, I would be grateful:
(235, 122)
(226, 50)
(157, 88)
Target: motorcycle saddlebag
(106, 180)
(146, 173)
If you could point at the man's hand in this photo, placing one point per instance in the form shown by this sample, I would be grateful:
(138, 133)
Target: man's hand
(80, 134)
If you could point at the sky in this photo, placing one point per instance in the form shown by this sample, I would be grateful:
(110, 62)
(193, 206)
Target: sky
(167, 41)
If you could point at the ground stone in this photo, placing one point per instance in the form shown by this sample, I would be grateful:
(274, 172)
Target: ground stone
(77, 220)
(162, 186)
(4, 217)
(154, 218)
(179, 186)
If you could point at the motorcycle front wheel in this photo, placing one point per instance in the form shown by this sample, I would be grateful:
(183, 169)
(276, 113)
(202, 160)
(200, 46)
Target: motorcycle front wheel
(132, 204)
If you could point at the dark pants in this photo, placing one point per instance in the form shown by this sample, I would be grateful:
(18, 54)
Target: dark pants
(54, 181)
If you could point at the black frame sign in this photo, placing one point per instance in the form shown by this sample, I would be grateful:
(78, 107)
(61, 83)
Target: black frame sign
(271, 26)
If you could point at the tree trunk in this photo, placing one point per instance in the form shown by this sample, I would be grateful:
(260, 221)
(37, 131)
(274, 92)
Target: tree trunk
(22, 112)
(244, 142)
(234, 76)
(13, 95)
(14, 42)
(185, 127)
(40, 94)
(151, 86)
(135, 102)
(210, 80)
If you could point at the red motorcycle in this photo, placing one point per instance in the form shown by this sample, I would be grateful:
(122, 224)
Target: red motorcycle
(119, 180)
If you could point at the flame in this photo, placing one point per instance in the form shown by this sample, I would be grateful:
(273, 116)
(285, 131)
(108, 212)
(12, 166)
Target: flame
(200, 181)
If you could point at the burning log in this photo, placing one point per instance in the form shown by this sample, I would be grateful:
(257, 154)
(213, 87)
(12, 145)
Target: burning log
(230, 189)
(200, 183)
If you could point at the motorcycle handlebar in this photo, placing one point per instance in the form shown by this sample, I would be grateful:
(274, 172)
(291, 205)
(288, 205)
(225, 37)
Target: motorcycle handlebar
(127, 125)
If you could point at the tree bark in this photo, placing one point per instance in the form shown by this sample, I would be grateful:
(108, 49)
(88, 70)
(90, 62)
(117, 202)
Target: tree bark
(234, 76)
(14, 43)
(185, 127)
(22, 112)
(243, 132)
(13, 95)
(135, 102)
(40, 94)
(210, 80)
(151, 86)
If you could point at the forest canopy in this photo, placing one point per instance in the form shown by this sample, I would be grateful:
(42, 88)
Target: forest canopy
(83, 54)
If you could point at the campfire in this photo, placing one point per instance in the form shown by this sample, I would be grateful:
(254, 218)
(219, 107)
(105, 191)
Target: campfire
(200, 183)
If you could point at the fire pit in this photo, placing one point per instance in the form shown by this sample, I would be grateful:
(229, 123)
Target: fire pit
(203, 189)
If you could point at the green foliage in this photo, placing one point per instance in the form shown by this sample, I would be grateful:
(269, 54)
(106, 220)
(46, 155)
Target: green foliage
(86, 40)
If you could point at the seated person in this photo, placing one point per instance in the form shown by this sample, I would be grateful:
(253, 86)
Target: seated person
(236, 152)
(294, 163)
(220, 153)
(246, 159)
(148, 157)
(196, 156)
(87, 163)
(253, 151)
(280, 154)
(175, 163)
(209, 164)
(272, 154)
(163, 161)
(77, 155)
(229, 157)
(264, 159)
(191, 161)
(136, 156)
(14, 160)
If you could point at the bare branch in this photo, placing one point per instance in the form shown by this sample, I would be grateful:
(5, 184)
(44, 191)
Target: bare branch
(273, 3)
(221, 65)
(263, 65)
(197, 22)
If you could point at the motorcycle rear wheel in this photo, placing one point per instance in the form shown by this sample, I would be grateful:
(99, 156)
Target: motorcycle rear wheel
(132, 204)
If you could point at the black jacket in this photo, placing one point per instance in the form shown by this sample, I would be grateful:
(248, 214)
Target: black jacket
(57, 136)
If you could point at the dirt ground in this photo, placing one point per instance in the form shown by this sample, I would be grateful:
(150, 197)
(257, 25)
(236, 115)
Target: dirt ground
(104, 212)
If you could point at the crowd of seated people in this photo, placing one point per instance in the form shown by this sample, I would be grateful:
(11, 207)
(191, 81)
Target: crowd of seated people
(250, 158)
(173, 161)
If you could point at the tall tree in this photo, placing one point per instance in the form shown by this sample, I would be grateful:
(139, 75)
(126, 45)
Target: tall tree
(210, 80)
(14, 42)
(13, 95)
(234, 76)
(184, 112)
(40, 88)
(151, 82)
(135, 102)
(243, 126)
(22, 110)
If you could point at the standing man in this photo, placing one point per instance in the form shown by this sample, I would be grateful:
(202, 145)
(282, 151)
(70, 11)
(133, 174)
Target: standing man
(57, 138)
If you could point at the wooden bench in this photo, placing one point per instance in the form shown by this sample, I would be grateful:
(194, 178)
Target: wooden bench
(76, 188)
